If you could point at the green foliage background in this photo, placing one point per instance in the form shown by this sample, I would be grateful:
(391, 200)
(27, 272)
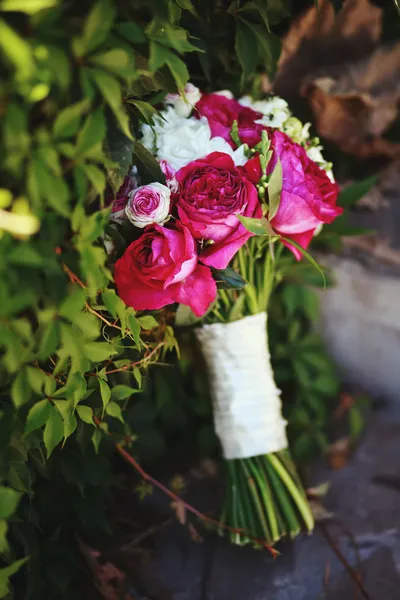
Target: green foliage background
(76, 77)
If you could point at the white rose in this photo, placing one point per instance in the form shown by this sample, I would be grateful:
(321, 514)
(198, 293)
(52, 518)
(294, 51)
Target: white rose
(179, 141)
(315, 153)
(275, 110)
(225, 93)
(184, 106)
(148, 204)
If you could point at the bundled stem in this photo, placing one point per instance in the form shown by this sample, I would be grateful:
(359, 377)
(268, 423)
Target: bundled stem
(264, 494)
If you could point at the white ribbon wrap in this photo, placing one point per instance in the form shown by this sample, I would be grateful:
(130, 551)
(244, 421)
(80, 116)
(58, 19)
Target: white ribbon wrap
(247, 407)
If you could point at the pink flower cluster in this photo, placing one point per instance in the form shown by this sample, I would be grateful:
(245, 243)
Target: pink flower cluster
(172, 262)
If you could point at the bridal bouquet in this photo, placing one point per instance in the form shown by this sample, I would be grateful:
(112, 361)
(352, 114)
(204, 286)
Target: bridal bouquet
(243, 180)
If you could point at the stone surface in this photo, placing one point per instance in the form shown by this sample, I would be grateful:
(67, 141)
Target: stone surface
(361, 324)
(365, 497)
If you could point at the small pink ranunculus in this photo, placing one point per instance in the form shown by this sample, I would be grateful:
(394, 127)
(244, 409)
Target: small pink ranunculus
(212, 192)
(308, 197)
(148, 204)
(221, 112)
(161, 267)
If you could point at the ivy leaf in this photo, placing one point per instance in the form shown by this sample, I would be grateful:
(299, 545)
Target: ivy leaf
(134, 327)
(148, 322)
(38, 415)
(85, 413)
(20, 390)
(275, 190)
(146, 110)
(110, 89)
(96, 439)
(121, 392)
(119, 148)
(72, 305)
(31, 7)
(130, 31)
(184, 316)
(7, 572)
(68, 120)
(54, 430)
(117, 60)
(99, 351)
(49, 340)
(97, 26)
(114, 410)
(105, 392)
(149, 162)
(9, 500)
(246, 47)
(92, 132)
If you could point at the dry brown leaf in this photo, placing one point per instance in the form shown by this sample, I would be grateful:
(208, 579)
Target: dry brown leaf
(351, 84)
(109, 580)
(320, 513)
(180, 511)
(338, 453)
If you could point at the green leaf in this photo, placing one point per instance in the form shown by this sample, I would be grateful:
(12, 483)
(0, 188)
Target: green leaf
(110, 89)
(246, 47)
(98, 25)
(148, 322)
(121, 392)
(114, 410)
(68, 120)
(20, 390)
(3, 537)
(92, 132)
(158, 56)
(258, 226)
(49, 340)
(184, 316)
(131, 31)
(149, 162)
(72, 305)
(31, 7)
(179, 71)
(308, 257)
(274, 190)
(119, 148)
(96, 439)
(228, 279)
(146, 110)
(134, 326)
(353, 193)
(99, 351)
(38, 415)
(105, 392)
(17, 51)
(85, 413)
(9, 500)
(54, 430)
(6, 573)
(96, 177)
(117, 60)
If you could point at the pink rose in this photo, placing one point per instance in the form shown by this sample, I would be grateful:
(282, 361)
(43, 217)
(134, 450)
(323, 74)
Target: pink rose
(148, 204)
(212, 191)
(221, 112)
(128, 185)
(160, 268)
(308, 197)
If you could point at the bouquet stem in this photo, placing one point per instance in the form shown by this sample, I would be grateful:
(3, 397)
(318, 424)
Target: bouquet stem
(265, 497)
